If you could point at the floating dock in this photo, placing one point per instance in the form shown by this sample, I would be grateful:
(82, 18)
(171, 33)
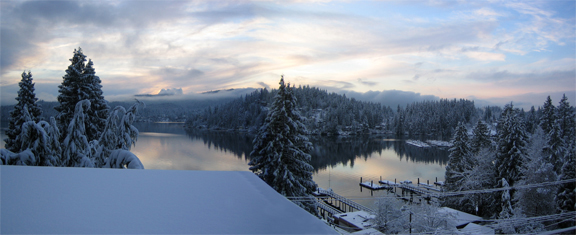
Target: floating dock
(372, 186)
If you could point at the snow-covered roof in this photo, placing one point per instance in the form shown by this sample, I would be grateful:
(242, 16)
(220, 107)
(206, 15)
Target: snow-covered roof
(473, 228)
(370, 231)
(360, 219)
(120, 201)
(460, 217)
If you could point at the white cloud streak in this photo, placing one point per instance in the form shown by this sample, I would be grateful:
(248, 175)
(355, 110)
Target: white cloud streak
(143, 47)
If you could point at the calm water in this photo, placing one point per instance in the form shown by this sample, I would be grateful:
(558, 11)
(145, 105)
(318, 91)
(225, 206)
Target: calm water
(338, 162)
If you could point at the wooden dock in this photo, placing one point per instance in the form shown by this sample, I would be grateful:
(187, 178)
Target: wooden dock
(330, 203)
(370, 185)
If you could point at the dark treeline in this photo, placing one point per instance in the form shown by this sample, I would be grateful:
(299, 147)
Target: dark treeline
(324, 113)
(435, 118)
(333, 114)
(328, 151)
(155, 110)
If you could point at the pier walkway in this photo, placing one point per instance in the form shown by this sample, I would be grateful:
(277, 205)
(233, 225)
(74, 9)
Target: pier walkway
(419, 190)
(343, 200)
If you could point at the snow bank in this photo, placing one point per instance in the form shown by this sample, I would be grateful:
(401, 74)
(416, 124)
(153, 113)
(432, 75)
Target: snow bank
(105, 201)
(418, 143)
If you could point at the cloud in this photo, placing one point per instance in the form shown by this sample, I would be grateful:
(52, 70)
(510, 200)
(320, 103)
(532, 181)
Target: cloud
(391, 98)
(144, 46)
(554, 79)
(264, 85)
(339, 84)
(490, 56)
(527, 100)
(367, 83)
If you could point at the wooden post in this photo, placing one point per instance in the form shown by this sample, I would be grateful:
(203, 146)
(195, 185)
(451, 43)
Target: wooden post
(418, 180)
(428, 182)
(360, 179)
(380, 178)
(372, 183)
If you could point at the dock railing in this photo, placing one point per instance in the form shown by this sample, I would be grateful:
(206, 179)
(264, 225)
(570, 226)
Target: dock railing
(347, 201)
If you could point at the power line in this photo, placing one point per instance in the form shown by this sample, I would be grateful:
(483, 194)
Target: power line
(458, 193)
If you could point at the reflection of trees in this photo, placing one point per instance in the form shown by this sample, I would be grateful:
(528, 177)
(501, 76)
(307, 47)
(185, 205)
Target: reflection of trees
(169, 128)
(417, 154)
(239, 144)
(328, 150)
(332, 150)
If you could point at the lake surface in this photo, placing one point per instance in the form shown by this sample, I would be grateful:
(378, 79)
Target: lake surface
(338, 162)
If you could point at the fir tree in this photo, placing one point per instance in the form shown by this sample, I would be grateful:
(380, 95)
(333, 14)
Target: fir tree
(548, 116)
(481, 138)
(26, 98)
(566, 196)
(511, 150)
(536, 169)
(459, 160)
(81, 83)
(98, 112)
(566, 120)
(76, 151)
(281, 151)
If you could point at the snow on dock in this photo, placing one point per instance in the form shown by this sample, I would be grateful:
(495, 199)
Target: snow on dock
(429, 187)
(439, 183)
(371, 185)
(387, 182)
(439, 143)
(417, 143)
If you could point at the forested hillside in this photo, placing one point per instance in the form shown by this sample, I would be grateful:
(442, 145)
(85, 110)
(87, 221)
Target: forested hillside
(334, 114)
(436, 118)
(324, 113)
(155, 110)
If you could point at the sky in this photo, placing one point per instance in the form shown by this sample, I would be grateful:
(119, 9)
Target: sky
(493, 52)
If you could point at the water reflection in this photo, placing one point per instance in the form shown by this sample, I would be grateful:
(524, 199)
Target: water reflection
(329, 151)
(338, 162)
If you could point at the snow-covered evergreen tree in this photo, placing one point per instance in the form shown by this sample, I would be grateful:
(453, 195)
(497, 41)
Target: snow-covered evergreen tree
(460, 159)
(506, 211)
(281, 151)
(511, 150)
(36, 138)
(76, 152)
(26, 98)
(482, 176)
(531, 120)
(98, 112)
(566, 119)
(481, 137)
(566, 196)
(556, 147)
(81, 83)
(548, 115)
(536, 169)
(389, 217)
(119, 133)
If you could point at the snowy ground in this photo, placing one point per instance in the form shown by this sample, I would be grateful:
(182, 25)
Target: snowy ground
(105, 201)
